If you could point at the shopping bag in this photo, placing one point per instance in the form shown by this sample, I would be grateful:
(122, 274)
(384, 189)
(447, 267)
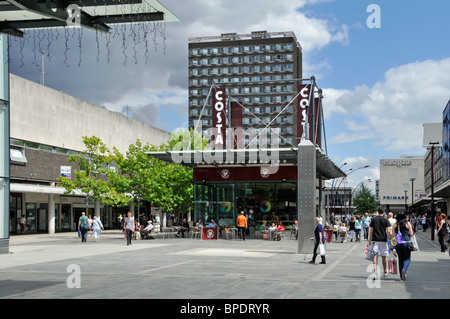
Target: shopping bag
(79, 233)
(368, 254)
(397, 239)
(413, 241)
(392, 266)
(322, 249)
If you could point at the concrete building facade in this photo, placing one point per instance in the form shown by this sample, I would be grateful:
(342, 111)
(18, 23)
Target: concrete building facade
(47, 126)
(398, 175)
(260, 71)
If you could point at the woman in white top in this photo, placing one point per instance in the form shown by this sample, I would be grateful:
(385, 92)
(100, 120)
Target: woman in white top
(97, 227)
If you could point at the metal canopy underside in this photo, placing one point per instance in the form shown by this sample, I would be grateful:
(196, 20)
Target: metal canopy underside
(248, 157)
(17, 15)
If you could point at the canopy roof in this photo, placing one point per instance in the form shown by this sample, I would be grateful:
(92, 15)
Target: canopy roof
(17, 15)
(248, 157)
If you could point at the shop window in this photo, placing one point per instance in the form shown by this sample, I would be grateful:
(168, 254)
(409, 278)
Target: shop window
(17, 156)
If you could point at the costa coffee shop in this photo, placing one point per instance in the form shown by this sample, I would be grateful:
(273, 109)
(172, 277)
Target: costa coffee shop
(245, 169)
(262, 190)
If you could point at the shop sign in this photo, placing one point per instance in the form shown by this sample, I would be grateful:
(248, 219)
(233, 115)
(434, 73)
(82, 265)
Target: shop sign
(398, 163)
(225, 174)
(302, 109)
(209, 233)
(66, 171)
(219, 118)
(395, 197)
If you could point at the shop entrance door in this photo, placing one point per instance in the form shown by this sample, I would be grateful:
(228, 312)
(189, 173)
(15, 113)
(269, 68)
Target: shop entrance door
(77, 214)
(42, 220)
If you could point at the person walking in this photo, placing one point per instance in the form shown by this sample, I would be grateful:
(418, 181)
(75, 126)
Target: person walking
(97, 227)
(351, 228)
(380, 231)
(366, 225)
(23, 222)
(90, 224)
(403, 226)
(242, 225)
(83, 226)
(319, 238)
(128, 226)
(358, 229)
(442, 231)
(424, 222)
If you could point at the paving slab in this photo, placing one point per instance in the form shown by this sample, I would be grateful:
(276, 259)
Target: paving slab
(42, 266)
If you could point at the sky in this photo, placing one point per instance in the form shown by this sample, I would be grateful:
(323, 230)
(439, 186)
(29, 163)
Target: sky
(380, 84)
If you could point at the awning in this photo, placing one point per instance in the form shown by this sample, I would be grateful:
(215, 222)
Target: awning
(443, 190)
(248, 157)
(41, 189)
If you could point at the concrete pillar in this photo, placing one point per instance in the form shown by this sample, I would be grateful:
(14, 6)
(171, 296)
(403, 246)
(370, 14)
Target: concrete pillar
(4, 145)
(97, 209)
(131, 209)
(164, 220)
(51, 213)
(306, 195)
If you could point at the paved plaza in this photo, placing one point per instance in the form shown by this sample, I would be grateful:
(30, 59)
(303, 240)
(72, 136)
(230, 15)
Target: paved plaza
(44, 266)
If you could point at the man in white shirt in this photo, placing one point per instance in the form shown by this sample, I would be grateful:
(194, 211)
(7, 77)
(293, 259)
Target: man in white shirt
(147, 230)
(128, 225)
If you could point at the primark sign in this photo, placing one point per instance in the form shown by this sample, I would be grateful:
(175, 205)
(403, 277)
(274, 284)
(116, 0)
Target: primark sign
(398, 163)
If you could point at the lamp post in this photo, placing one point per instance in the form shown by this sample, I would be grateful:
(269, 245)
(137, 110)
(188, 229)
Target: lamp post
(351, 172)
(405, 189)
(332, 192)
(355, 189)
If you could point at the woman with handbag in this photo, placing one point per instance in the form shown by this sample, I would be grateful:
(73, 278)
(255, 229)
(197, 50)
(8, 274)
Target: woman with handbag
(442, 232)
(319, 237)
(403, 226)
(97, 227)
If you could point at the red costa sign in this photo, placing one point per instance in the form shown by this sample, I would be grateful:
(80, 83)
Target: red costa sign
(219, 118)
(302, 109)
(305, 115)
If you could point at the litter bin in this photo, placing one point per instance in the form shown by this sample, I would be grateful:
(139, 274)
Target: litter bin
(328, 235)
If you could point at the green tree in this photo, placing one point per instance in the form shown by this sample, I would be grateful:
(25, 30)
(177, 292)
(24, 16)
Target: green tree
(173, 187)
(364, 200)
(91, 177)
(135, 172)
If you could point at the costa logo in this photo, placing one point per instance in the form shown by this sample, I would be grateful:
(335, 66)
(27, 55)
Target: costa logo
(219, 125)
(303, 106)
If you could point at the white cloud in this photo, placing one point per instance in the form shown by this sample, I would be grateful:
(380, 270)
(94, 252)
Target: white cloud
(393, 110)
(114, 84)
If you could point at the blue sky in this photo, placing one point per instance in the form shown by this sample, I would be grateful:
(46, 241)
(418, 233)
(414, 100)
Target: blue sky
(380, 85)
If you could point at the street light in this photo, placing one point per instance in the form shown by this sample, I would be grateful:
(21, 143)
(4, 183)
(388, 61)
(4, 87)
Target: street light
(332, 194)
(355, 189)
(405, 189)
(351, 170)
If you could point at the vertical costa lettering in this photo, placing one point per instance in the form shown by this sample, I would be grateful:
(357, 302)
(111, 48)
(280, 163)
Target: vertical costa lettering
(219, 118)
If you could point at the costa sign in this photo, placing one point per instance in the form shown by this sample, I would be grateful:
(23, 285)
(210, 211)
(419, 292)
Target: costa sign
(305, 115)
(303, 106)
(219, 117)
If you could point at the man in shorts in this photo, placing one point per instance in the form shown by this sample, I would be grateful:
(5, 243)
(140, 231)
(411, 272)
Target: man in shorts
(379, 234)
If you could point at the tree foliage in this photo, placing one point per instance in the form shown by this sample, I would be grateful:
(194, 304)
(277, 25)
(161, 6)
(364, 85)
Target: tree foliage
(364, 200)
(92, 176)
(137, 175)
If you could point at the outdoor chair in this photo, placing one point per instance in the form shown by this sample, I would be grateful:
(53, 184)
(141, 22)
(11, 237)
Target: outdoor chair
(293, 233)
(228, 233)
(343, 236)
(195, 233)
